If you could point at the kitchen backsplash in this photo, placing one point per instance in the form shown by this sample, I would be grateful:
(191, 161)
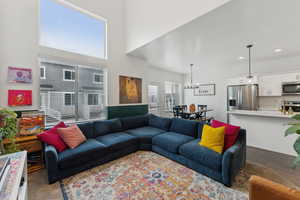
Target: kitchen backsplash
(274, 103)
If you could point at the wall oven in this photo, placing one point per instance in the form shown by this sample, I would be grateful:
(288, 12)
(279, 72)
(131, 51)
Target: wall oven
(291, 88)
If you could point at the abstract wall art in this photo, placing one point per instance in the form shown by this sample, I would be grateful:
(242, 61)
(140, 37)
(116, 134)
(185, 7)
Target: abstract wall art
(19, 97)
(19, 75)
(130, 90)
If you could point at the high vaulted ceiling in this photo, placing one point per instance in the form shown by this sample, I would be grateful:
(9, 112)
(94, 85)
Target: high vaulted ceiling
(219, 37)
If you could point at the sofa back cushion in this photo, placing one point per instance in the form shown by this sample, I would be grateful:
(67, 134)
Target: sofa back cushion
(200, 129)
(159, 122)
(183, 126)
(134, 122)
(104, 127)
(87, 129)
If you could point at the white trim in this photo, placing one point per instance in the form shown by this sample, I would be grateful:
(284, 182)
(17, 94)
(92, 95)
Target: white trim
(72, 103)
(94, 74)
(44, 69)
(68, 70)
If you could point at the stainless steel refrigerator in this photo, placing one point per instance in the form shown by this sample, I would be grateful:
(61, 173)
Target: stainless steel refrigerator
(242, 97)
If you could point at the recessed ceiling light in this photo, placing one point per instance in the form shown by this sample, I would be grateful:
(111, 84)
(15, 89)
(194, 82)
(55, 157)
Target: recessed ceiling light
(241, 58)
(278, 50)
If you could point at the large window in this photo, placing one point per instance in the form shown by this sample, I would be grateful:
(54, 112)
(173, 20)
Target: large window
(172, 95)
(66, 27)
(78, 99)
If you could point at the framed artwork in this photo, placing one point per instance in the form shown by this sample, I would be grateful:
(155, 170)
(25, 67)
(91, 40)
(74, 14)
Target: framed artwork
(130, 90)
(31, 123)
(205, 90)
(19, 75)
(19, 97)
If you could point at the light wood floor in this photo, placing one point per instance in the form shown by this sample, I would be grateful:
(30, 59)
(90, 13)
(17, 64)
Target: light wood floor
(40, 190)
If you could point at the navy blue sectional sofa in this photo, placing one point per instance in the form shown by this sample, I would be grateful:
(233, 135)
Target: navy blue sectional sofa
(176, 139)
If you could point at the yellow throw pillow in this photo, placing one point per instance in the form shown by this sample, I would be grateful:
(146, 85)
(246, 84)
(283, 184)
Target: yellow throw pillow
(213, 138)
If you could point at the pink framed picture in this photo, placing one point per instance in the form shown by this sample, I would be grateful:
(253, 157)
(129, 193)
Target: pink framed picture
(19, 75)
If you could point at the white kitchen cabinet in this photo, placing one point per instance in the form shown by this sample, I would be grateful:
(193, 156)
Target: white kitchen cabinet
(242, 81)
(291, 77)
(270, 85)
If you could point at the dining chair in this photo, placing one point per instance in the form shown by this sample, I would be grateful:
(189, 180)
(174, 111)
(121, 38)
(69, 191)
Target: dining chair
(183, 112)
(176, 111)
(202, 115)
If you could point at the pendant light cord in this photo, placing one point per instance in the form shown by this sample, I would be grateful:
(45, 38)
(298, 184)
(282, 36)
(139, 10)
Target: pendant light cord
(192, 74)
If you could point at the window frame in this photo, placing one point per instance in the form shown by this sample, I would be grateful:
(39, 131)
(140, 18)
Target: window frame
(98, 95)
(94, 75)
(44, 69)
(69, 70)
(85, 12)
(72, 102)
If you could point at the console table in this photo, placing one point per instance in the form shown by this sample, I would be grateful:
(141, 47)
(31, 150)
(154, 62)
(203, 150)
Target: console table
(15, 186)
(33, 146)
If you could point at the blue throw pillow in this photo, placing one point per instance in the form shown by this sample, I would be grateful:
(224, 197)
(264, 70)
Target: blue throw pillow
(134, 122)
(186, 127)
(159, 122)
(104, 127)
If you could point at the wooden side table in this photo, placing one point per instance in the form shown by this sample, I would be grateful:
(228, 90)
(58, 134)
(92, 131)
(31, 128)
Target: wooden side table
(34, 149)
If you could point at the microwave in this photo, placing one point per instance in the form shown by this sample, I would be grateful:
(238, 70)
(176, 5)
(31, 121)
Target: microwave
(291, 88)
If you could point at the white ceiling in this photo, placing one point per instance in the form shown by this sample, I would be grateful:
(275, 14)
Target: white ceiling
(219, 37)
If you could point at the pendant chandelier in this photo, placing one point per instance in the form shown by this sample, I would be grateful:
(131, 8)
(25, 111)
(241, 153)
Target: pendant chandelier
(191, 85)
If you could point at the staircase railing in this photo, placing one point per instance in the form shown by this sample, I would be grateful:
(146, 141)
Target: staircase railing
(52, 113)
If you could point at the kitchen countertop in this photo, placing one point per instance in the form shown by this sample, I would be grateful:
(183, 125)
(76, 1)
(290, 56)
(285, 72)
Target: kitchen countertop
(261, 113)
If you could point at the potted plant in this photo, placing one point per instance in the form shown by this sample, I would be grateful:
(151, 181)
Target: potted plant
(8, 129)
(295, 129)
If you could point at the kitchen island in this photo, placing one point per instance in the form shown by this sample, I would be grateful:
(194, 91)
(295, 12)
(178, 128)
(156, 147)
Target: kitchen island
(265, 129)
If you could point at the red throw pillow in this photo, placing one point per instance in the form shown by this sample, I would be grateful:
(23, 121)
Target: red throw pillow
(231, 133)
(52, 137)
(72, 136)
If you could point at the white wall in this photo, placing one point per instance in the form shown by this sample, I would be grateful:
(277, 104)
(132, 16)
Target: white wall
(19, 34)
(147, 20)
(18, 44)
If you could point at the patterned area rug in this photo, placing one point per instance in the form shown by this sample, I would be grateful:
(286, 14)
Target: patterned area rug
(145, 176)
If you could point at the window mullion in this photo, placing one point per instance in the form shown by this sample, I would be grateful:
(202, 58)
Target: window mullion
(76, 93)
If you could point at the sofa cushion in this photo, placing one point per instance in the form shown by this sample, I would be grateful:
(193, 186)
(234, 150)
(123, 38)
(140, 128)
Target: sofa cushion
(116, 141)
(104, 127)
(183, 126)
(134, 122)
(159, 122)
(52, 137)
(171, 141)
(202, 155)
(87, 129)
(72, 136)
(200, 129)
(231, 133)
(145, 134)
(85, 152)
